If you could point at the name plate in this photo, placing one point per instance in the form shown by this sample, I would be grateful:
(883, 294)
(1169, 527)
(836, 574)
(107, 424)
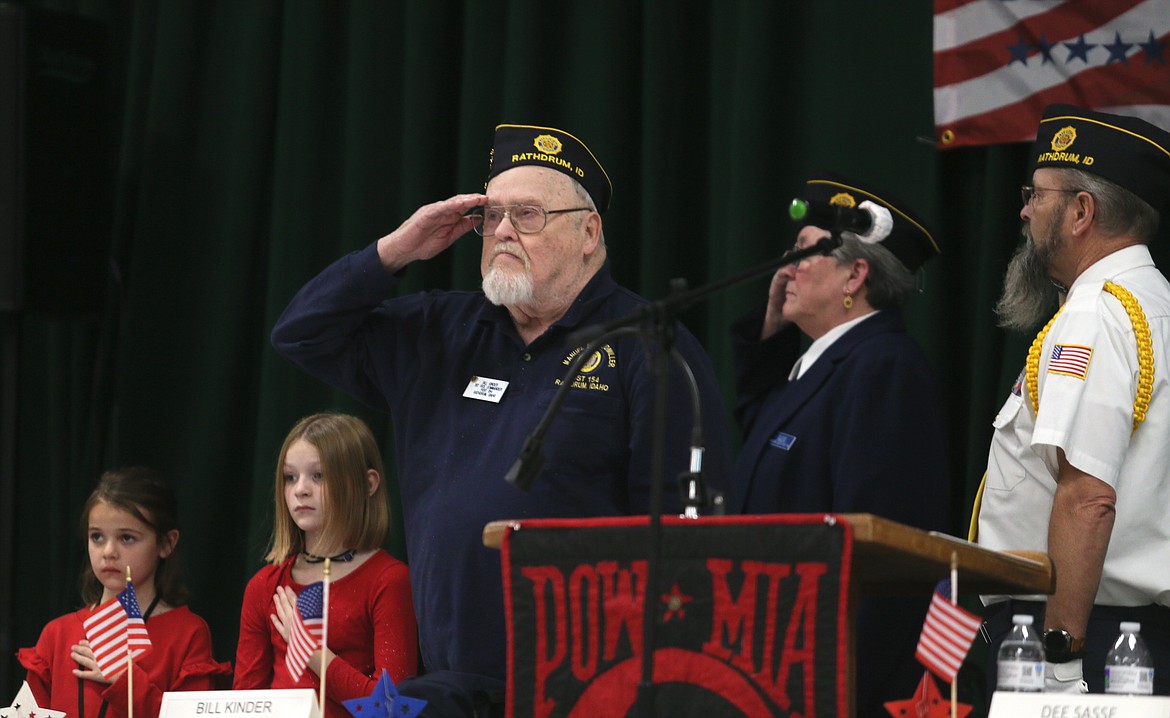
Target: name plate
(1088, 705)
(284, 703)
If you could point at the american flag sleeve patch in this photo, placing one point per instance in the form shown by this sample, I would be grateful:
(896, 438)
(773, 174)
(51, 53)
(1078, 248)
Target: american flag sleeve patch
(1070, 360)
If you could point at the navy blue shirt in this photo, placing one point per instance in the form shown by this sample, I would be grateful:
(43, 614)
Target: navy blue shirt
(415, 356)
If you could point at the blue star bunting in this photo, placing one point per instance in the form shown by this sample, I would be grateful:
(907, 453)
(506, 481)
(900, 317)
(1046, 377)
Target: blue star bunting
(1117, 49)
(370, 707)
(1153, 49)
(1079, 49)
(385, 702)
(386, 689)
(1045, 49)
(1019, 51)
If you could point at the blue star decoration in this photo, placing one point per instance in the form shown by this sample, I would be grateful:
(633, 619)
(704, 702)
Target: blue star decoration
(1019, 51)
(1079, 49)
(366, 707)
(1045, 49)
(1117, 50)
(385, 702)
(1153, 48)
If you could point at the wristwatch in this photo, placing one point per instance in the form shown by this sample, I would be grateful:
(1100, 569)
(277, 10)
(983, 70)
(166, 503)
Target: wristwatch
(1061, 647)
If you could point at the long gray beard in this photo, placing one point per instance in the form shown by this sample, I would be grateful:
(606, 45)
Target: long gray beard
(1029, 297)
(507, 288)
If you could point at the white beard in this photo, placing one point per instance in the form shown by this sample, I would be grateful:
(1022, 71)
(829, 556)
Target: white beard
(507, 288)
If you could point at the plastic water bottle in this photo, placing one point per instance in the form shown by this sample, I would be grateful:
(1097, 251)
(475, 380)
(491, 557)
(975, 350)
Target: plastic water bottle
(1129, 668)
(1020, 665)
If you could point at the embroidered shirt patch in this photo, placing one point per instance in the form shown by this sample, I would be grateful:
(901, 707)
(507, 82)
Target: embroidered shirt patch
(1018, 387)
(1070, 360)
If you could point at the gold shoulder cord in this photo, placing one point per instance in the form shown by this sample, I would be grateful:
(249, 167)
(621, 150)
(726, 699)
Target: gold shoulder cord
(1032, 365)
(1145, 388)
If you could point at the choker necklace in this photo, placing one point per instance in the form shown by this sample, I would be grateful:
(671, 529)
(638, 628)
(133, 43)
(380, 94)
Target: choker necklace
(344, 556)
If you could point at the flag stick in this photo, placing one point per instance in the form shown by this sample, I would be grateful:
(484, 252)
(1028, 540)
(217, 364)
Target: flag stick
(129, 665)
(324, 630)
(129, 683)
(954, 602)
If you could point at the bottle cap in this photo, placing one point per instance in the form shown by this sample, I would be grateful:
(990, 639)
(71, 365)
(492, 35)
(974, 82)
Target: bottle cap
(1130, 627)
(1022, 619)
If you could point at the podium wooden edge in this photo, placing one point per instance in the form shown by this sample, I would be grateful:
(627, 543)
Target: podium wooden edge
(493, 532)
(888, 552)
(893, 557)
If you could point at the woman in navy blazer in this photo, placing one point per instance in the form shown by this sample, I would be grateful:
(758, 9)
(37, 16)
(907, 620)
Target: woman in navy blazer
(856, 426)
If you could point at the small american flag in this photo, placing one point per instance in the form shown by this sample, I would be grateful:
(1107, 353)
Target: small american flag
(947, 634)
(1070, 360)
(308, 626)
(115, 629)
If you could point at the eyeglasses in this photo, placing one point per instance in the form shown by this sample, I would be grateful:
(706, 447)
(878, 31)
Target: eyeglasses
(526, 218)
(797, 248)
(1028, 192)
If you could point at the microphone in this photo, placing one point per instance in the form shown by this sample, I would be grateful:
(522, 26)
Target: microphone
(870, 222)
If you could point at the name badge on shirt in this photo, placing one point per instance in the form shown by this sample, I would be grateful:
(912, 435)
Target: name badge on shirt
(484, 389)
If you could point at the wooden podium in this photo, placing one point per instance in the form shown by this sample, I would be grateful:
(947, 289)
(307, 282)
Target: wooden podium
(881, 557)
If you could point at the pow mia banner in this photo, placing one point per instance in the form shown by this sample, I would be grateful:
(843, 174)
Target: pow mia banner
(751, 615)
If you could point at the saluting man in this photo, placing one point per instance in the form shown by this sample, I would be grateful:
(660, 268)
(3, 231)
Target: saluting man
(466, 376)
(1079, 464)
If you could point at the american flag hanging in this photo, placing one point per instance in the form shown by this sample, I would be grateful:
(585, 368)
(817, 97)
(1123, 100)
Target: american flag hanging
(114, 628)
(999, 63)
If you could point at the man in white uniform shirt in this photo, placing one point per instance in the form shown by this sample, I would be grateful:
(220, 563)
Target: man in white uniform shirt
(1079, 464)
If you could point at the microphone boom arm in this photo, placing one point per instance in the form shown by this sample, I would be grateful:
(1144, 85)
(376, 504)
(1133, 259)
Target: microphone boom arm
(675, 303)
(530, 462)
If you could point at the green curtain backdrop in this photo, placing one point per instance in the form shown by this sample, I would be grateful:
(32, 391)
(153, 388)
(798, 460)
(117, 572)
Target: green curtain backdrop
(256, 141)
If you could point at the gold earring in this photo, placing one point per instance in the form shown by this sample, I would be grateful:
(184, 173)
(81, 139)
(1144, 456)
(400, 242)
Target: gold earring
(848, 301)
